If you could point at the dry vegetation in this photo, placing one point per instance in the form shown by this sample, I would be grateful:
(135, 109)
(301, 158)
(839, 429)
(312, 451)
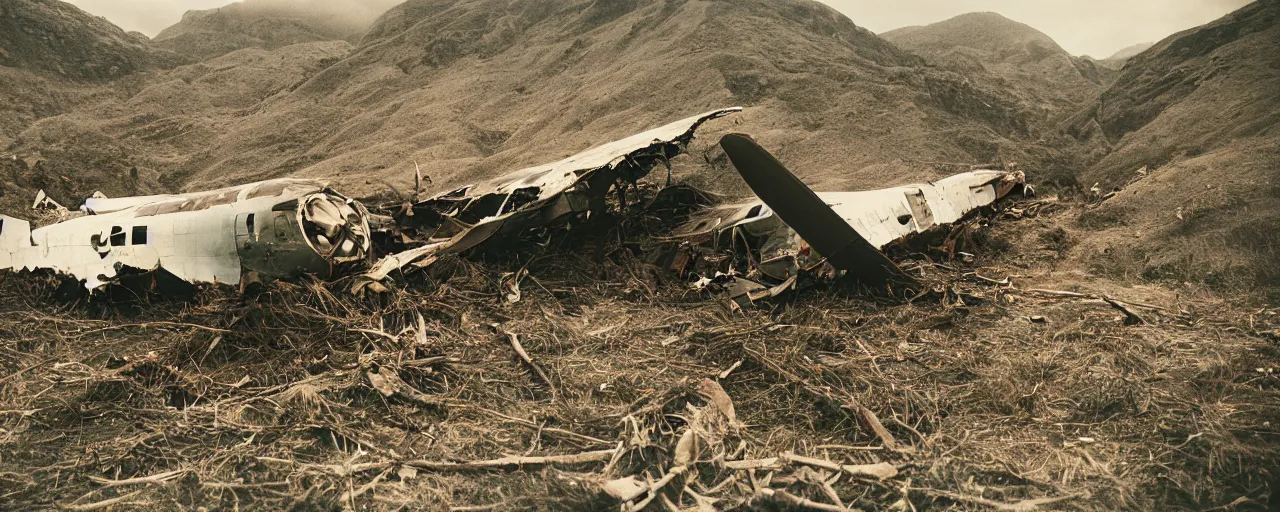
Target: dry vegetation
(979, 394)
(1148, 380)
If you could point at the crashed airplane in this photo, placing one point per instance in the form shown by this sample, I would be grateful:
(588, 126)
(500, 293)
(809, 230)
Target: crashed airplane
(279, 229)
(288, 228)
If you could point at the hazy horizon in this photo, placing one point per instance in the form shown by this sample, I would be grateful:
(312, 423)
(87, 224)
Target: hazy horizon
(1097, 28)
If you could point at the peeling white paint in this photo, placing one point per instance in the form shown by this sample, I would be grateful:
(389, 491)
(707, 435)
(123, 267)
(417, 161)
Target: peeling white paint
(209, 237)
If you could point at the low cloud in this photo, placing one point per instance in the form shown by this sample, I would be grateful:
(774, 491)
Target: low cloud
(152, 16)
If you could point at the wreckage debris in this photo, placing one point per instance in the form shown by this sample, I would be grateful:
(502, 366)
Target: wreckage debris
(789, 237)
(793, 232)
(464, 218)
(278, 229)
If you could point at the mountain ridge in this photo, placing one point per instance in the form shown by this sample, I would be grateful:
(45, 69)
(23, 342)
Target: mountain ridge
(268, 24)
(1193, 126)
(463, 87)
(61, 40)
(1023, 58)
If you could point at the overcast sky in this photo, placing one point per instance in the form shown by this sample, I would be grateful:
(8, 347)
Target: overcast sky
(1084, 27)
(1097, 28)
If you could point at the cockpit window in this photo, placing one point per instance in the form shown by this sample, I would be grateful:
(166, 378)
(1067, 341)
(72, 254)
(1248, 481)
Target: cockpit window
(139, 235)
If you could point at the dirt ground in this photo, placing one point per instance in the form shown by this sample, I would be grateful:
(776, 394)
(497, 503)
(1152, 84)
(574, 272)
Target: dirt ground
(979, 394)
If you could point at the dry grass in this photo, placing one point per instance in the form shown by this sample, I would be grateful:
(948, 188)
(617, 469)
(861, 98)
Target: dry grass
(302, 397)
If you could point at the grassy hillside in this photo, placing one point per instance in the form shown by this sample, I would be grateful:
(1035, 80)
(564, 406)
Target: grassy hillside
(474, 88)
(1199, 114)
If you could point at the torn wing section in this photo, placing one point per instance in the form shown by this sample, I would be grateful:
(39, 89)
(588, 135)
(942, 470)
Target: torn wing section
(279, 229)
(464, 218)
(777, 255)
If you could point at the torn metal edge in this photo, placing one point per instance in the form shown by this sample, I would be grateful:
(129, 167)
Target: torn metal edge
(461, 219)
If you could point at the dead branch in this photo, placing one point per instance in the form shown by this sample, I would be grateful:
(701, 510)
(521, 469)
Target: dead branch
(849, 404)
(546, 430)
(514, 339)
(351, 495)
(100, 504)
(1077, 295)
(514, 462)
(237, 485)
(787, 498)
(998, 282)
(477, 508)
(880, 470)
(743, 465)
(158, 478)
(655, 487)
(1130, 317)
(1021, 506)
(146, 325)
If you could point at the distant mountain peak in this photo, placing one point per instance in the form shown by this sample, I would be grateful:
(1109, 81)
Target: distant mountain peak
(986, 31)
(987, 42)
(1130, 51)
(269, 24)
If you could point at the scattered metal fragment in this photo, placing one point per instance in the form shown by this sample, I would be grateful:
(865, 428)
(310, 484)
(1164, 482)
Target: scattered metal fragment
(44, 202)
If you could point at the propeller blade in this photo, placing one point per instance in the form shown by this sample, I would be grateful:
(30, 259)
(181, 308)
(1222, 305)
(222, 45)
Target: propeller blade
(808, 215)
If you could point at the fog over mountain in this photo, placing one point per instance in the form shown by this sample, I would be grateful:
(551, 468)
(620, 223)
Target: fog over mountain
(152, 16)
(1091, 27)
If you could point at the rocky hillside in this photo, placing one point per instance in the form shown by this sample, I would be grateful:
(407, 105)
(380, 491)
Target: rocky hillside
(475, 88)
(1195, 127)
(1025, 58)
(154, 122)
(58, 39)
(269, 24)
(55, 58)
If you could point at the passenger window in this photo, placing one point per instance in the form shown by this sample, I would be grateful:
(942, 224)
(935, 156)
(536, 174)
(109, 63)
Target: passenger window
(139, 235)
(117, 236)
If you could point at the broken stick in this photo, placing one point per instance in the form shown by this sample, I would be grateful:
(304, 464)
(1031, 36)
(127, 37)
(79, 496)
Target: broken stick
(159, 478)
(880, 470)
(514, 462)
(787, 498)
(514, 339)
(1130, 317)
